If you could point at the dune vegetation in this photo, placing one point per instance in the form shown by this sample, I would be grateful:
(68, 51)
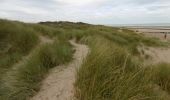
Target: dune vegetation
(113, 69)
(25, 62)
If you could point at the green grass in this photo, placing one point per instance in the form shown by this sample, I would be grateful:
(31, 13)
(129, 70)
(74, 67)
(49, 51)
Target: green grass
(111, 73)
(17, 37)
(162, 76)
(46, 30)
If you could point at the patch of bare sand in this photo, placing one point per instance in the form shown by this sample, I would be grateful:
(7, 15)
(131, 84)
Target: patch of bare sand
(59, 84)
(44, 40)
(158, 55)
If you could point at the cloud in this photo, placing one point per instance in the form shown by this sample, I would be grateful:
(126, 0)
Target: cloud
(91, 11)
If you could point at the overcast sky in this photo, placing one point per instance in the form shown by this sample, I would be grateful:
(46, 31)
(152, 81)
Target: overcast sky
(90, 11)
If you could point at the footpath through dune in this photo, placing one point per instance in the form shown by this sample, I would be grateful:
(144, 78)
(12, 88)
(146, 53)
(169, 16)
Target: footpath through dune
(59, 84)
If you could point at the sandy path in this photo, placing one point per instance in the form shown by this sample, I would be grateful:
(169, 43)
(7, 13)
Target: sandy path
(59, 84)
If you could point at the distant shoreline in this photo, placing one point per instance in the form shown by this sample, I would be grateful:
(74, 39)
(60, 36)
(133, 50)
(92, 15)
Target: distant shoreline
(163, 25)
(151, 27)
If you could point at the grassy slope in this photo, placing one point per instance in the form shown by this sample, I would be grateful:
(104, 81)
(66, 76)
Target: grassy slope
(110, 72)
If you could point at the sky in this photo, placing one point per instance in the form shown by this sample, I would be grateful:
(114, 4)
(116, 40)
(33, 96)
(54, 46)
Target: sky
(89, 11)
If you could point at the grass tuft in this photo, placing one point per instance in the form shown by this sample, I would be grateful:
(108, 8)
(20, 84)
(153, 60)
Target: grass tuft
(162, 76)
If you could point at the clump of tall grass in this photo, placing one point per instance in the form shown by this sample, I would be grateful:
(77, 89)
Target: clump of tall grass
(162, 76)
(76, 34)
(110, 73)
(23, 81)
(155, 42)
(46, 30)
(19, 37)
